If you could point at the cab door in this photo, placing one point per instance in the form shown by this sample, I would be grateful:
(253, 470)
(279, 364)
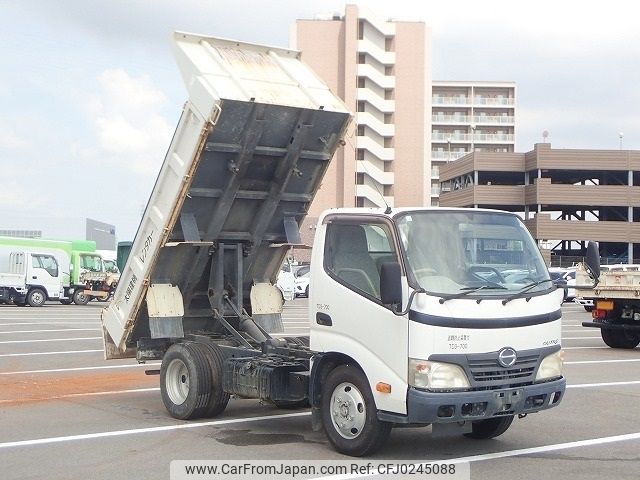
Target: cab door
(45, 271)
(347, 315)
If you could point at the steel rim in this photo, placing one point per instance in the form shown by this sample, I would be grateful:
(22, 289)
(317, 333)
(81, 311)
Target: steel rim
(348, 410)
(37, 298)
(177, 381)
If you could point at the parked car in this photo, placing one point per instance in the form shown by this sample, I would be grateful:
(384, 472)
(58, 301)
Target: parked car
(302, 285)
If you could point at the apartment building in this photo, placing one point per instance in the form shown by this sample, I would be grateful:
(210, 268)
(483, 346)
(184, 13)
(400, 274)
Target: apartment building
(565, 196)
(466, 117)
(381, 69)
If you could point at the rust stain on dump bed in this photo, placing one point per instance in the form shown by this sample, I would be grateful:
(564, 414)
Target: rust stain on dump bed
(16, 390)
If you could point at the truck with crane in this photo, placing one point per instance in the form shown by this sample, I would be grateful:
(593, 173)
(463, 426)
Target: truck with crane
(411, 320)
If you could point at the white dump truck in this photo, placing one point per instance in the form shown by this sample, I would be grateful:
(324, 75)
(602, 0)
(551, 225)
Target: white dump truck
(615, 293)
(411, 320)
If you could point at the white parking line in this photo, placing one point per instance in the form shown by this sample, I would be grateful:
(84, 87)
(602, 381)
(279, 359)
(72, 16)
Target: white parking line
(136, 431)
(588, 362)
(605, 384)
(97, 322)
(581, 338)
(88, 394)
(512, 453)
(49, 353)
(50, 340)
(78, 369)
(53, 330)
(583, 348)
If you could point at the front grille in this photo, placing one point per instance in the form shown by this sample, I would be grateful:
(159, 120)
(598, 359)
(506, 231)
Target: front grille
(487, 372)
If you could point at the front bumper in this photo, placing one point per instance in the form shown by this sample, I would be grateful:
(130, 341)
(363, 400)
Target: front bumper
(432, 407)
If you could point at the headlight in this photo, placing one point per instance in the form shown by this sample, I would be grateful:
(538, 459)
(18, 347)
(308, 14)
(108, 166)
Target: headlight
(551, 366)
(436, 375)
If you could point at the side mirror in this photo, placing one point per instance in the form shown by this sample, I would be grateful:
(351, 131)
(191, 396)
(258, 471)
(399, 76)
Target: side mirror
(593, 261)
(390, 283)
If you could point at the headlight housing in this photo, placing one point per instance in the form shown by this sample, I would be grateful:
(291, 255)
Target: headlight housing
(551, 366)
(437, 375)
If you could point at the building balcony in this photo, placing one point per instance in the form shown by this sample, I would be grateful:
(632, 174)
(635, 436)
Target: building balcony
(450, 137)
(453, 119)
(494, 138)
(370, 169)
(382, 56)
(447, 156)
(373, 195)
(381, 128)
(446, 100)
(494, 119)
(382, 105)
(495, 101)
(382, 153)
(379, 78)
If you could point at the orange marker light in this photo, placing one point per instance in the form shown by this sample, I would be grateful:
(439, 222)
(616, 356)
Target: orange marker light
(383, 387)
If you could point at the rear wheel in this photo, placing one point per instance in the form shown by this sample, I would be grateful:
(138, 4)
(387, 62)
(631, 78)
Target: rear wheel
(36, 297)
(620, 338)
(218, 398)
(185, 381)
(349, 413)
(490, 428)
(79, 298)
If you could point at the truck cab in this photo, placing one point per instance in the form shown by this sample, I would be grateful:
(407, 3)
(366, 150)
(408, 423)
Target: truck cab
(415, 303)
(30, 278)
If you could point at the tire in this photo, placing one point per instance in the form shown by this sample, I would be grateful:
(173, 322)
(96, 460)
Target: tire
(103, 300)
(347, 398)
(588, 308)
(306, 292)
(218, 398)
(490, 428)
(620, 338)
(36, 297)
(66, 301)
(79, 298)
(185, 381)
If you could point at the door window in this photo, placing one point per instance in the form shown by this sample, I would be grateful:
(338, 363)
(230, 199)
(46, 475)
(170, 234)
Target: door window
(46, 262)
(355, 252)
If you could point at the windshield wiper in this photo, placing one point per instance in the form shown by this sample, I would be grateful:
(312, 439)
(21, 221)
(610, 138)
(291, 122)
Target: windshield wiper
(525, 289)
(470, 290)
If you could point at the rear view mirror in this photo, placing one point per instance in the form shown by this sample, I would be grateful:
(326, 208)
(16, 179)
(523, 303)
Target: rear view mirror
(593, 261)
(390, 283)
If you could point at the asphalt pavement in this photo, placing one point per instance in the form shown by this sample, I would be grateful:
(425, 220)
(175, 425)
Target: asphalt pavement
(65, 413)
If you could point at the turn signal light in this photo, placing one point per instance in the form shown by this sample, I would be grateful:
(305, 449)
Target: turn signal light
(383, 387)
(604, 305)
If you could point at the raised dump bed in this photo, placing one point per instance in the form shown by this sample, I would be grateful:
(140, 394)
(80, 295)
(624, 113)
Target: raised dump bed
(251, 147)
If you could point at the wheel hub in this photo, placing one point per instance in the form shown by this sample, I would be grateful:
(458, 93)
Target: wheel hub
(177, 381)
(348, 412)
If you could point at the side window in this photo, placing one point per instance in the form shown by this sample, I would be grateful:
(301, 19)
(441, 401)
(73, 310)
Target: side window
(354, 253)
(47, 262)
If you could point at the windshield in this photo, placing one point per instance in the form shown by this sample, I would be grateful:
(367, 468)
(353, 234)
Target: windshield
(452, 252)
(91, 262)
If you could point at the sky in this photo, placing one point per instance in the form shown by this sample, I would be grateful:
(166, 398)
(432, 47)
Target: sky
(90, 94)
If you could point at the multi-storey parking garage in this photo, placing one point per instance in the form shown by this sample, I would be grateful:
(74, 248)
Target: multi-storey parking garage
(566, 196)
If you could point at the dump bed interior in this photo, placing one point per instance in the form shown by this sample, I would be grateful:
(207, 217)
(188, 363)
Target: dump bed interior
(248, 155)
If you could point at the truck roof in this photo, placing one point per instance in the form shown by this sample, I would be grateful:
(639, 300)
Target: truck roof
(253, 143)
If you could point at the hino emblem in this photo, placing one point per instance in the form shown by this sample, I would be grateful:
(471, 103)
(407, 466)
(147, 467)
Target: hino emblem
(507, 357)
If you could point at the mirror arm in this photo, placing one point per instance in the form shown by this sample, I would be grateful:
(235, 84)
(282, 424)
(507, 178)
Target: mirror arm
(409, 303)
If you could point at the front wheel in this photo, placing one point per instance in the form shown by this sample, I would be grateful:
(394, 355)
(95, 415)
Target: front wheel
(79, 298)
(349, 413)
(490, 428)
(619, 338)
(36, 297)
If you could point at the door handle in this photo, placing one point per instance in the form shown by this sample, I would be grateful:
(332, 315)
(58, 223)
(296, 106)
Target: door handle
(34, 277)
(323, 319)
